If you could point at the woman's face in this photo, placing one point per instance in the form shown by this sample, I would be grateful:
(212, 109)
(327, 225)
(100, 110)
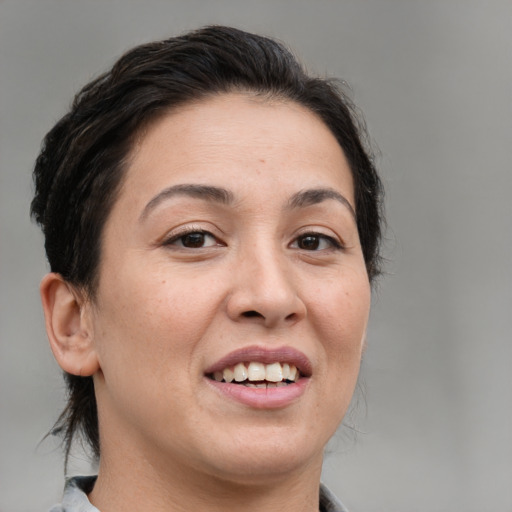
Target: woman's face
(232, 241)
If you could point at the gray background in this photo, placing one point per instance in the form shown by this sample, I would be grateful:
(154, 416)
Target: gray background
(434, 79)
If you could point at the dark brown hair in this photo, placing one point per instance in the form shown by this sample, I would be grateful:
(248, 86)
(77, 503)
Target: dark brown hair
(80, 168)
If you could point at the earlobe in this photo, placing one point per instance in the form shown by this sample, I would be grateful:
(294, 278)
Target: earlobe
(68, 326)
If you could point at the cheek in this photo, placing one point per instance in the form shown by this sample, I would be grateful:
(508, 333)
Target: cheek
(340, 327)
(149, 319)
(345, 308)
(341, 318)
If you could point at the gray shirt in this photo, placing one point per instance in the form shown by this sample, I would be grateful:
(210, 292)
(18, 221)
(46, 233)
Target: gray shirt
(76, 490)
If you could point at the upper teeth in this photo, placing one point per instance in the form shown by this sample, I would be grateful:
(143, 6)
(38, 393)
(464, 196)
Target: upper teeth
(254, 371)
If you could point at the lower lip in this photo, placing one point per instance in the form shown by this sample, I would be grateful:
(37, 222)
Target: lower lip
(261, 398)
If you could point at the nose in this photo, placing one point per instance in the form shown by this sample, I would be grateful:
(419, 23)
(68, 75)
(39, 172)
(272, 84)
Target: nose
(265, 290)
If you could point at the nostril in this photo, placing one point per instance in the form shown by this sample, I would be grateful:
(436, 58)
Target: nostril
(251, 314)
(291, 316)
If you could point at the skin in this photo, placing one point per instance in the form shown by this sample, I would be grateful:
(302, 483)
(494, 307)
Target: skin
(164, 312)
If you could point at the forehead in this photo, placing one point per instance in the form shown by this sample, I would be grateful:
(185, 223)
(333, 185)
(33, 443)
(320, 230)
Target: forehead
(241, 140)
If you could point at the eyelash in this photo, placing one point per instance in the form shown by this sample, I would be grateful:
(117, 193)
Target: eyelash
(333, 242)
(319, 237)
(191, 231)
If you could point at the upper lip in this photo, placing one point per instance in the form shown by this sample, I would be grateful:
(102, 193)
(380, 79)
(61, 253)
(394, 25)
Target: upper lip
(266, 355)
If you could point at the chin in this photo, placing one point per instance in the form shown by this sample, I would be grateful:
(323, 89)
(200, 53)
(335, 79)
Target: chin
(267, 456)
(264, 469)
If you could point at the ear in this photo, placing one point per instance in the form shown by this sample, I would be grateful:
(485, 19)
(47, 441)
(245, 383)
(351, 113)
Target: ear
(364, 344)
(69, 326)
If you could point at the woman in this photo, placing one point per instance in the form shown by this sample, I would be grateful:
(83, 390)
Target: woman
(212, 223)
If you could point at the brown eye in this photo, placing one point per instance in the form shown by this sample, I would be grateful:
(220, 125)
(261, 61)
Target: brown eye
(193, 240)
(316, 242)
(309, 242)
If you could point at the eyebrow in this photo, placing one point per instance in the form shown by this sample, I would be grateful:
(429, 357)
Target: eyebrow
(205, 192)
(314, 196)
(221, 195)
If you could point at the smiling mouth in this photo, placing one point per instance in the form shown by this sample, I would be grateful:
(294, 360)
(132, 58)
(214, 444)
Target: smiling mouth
(258, 375)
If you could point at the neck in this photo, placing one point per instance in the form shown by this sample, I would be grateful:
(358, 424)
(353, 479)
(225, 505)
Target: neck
(138, 484)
